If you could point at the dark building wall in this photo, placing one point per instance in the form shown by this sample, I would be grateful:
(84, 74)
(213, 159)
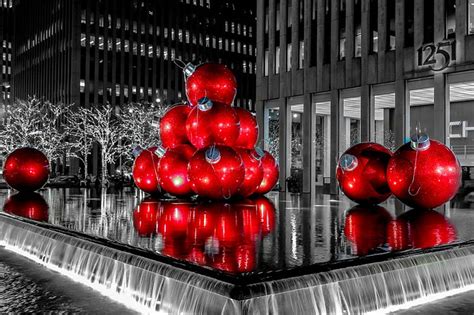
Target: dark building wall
(120, 51)
(6, 39)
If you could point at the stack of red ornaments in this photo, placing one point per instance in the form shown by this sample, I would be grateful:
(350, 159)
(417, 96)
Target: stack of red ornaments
(208, 146)
(422, 173)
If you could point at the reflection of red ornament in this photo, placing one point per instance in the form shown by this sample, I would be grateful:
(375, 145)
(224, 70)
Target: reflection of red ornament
(28, 205)
(26, 169)
(172, 132)
(424, 173)
(253, 171)
(197, 256)
(216, 172)
(427, 228)
(212, 123)
(361, 173)
(270, 173)
(174, 219)
(176, 248)
(145, 215)
(145, 171)
(225, 261)
(227, 226)
(173, 170)
(365, 227)
(397, 235)
(214, 81)
(266, 213)
(245, 257)
(202, 222)
(250, 226)
(248, 135)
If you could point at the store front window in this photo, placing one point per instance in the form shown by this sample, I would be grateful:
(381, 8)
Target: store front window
(296, 144)
(271, 132)
(350, 129)
(322, 143)
(471, 16)
(461, 133)
(384, 132)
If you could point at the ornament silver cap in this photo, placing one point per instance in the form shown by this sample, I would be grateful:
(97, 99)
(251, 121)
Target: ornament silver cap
(213, 155)
(136, 151)
(348, 162)
(205, 104)
(160, 151)
(258, 153)
(420, 141)
(189, 69)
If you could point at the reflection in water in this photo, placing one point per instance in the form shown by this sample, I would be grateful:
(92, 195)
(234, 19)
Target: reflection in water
(29, 205)
(419, 228)
(222, 235)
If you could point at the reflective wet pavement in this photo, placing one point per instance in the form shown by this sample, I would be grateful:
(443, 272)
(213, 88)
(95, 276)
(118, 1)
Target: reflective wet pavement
(26, 287)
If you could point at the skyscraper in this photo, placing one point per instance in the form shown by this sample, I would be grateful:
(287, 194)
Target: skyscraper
(6, 37)
(117, 51)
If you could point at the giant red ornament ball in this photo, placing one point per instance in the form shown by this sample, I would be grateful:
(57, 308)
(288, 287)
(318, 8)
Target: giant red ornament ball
(253, 171)
(270, 172)
(146, 168)
(212, 123)
(172, 132)
(29, 205)
(424, 173)
(361, 173)
(248, 135)
(173, 170)
(216, 172)
(211, 80)
(26, 169)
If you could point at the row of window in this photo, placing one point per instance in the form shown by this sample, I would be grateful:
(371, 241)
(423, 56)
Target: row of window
(6, 70)
(6, 44)
(147, 49)
(41, 36)
(428, 16)
(202, 3)
(6, 57)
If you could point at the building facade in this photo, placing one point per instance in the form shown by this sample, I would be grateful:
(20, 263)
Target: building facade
(95, 52)
(92, 52)
(6, 41)
(334, 73)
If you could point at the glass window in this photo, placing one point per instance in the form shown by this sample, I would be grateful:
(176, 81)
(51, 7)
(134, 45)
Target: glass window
(350, 129)
(296, 145)
(374, 26)
(342, 29)
(288, 57)
(471, 16)
(265, 70)
(450, 11)
(422, 111)
(390, 25)
(301, 56)
(429, 21)
(385, 120)
(357, 29)
(322, 143)
(277, 60)
(271, 132)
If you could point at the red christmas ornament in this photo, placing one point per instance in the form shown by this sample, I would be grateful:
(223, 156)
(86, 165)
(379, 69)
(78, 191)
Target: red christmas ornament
(175, 247)
(173, 170)
(28, 205)
(172, 132)
(266, 213)
(248, 135)
(253, 171)
(270, 172)
(174, 220)
(361, 173)
(212, 123)
(216, 172)
(214, 81)
(424, 173)
(146, 168)
(202, 223)
(145, 216)
(365, 227)
(26, 169)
